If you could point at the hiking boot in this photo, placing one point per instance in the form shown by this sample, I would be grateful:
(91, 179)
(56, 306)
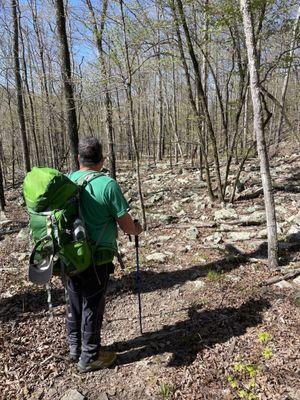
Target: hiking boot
(74, 357)
(105, 360)
(74, 353)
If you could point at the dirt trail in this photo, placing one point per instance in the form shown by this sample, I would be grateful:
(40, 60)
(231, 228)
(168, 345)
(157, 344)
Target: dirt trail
(210, 331)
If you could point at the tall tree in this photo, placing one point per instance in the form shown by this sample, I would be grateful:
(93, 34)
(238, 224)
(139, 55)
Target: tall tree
(67, 80)
(128, 87)
(2, 197)
(287, 77)
(202, 97)
(98, 34)
(18, 80)
(258, 122)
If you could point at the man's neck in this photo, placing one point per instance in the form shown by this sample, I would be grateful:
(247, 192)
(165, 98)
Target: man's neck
(95, 168)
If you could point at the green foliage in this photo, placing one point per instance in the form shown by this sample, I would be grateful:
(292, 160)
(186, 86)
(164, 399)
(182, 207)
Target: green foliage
(245, 394)
(264, 337)
(267, 353)
(243, 381)
(233, 381)
(244, 375)
(214, 276)
(166, 390)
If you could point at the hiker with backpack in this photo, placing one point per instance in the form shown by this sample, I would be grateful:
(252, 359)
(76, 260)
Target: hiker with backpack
(74, 224)
(103, 207)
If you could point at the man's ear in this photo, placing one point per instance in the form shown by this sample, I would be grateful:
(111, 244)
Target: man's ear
(78, 158)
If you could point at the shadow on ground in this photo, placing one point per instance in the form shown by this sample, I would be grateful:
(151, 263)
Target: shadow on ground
(23, 305)
(186, 339)
(36, 301)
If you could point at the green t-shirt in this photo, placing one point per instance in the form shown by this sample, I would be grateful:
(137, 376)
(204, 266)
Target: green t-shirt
(102, 202)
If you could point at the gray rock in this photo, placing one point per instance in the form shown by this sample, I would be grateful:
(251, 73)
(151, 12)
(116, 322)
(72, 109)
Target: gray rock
(225, 213)
(240, 236)
(23, 235)
(157, 257)
(256, 217)
(2, 216)
(201, 185)
(186, 200)
(280, 210)
(102, 396)
(262, 234)
(155, 198)
(283, 285)
(233, 278)
(198, 284)
(200, 206)
(192, 233)
(204, 217)
(215, 238)
(21, 202)
(297, 280)
(297, 299)
(163, 238)
(72, 394)
(177, 206)
(294, 233)
(4, 222)
(22, 256)
(225, 228)
(168, 218)
(295, 219)
(185, 249)
(256, 207)
(169, 253)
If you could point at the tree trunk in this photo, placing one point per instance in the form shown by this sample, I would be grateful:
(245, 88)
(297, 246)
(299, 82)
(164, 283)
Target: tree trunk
(131, 115)
(26, 82)
(67, 80)
(18, 79)
(259, 131)
(193, 102)
(286, 80)
(2, 197)
(98, 33)
(203, 98)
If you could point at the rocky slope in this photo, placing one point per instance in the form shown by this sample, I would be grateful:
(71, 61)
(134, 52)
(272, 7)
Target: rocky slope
(210, 330)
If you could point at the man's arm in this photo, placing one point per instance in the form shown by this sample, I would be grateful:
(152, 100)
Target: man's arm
(128, 225)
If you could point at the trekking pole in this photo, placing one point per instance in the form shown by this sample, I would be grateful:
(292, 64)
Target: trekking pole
(138, 280)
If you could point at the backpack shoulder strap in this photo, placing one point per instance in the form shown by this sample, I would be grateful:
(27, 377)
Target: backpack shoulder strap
(87, 178)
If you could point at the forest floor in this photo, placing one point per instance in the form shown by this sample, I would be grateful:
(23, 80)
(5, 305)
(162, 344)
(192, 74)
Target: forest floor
(210, 330)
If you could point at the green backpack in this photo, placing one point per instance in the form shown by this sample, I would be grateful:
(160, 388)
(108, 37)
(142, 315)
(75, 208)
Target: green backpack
(53, 204)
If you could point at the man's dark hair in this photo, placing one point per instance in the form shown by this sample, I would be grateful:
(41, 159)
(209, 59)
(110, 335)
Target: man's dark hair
(90, 151)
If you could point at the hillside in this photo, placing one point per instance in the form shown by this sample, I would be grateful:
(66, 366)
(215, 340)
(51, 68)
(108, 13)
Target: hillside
(212, 329)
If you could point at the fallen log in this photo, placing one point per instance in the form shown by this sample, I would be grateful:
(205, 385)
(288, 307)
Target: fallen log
(289, 275)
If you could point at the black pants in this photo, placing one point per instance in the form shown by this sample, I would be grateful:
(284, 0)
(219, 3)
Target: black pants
(85, 310)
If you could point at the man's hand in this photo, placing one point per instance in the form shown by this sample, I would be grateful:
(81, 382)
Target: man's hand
(138, 227)
(128, 225)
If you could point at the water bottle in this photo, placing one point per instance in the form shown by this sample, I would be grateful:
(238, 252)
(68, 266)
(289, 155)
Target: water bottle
(78, 230)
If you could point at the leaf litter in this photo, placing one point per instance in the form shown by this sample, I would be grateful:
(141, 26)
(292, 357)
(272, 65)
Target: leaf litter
(203, 309)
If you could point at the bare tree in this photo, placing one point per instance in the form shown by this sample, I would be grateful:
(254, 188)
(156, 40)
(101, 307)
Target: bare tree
(259, 132)
(18, 80)
(67, 80)
(98, 34)
(286, 78)
(131, 114)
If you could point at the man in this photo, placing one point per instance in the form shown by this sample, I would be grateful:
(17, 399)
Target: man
(103, 207)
